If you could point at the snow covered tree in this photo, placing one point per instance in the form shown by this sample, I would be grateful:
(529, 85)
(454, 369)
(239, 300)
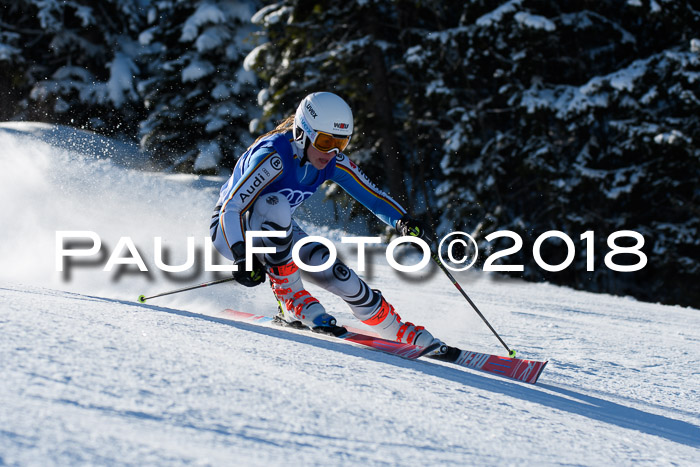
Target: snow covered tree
(570, 116)
(198, 96)
(12, 67)
(72, 62)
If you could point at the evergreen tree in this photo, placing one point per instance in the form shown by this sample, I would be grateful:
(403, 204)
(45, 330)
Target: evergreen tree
(198, 96)
(75, 63)
(571, 116)
(12, 65)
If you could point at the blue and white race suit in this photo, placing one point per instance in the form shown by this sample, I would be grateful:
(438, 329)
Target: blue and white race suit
(268, 183)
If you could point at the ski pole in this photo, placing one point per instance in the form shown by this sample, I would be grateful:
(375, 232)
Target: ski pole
(142, 299)
(436, 258)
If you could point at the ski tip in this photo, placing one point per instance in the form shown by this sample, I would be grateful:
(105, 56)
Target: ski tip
(142, 299)
(539, 373)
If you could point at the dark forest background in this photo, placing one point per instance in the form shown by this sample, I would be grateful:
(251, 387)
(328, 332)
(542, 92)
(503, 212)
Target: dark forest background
(479, 116)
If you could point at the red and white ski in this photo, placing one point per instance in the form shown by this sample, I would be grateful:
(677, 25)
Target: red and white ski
(407, 351)
(527, 371)
(518, 369)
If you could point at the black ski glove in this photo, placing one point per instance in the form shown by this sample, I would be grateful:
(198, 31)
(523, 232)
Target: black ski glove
(243, 277)
(414, 228)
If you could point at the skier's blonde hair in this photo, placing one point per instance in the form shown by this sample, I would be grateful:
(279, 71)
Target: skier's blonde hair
(283, 127)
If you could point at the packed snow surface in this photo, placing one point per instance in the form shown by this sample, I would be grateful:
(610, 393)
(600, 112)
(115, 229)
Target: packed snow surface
(88, 376)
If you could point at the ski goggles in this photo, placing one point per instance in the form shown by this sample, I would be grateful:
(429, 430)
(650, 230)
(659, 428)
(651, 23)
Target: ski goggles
(326, 142)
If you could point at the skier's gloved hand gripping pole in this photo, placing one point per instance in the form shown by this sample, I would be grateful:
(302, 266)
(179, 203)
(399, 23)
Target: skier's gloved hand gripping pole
(255, 276)
(414, 228)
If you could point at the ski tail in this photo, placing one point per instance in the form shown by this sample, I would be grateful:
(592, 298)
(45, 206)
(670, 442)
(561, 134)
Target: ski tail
(408, 351)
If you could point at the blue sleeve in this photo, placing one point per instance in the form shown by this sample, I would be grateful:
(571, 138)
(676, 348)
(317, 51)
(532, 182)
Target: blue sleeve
(349, 176)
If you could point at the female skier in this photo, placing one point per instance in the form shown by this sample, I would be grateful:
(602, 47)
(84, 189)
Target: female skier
(272, 178)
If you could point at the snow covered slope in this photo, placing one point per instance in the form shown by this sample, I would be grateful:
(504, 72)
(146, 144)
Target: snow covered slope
(87, 376)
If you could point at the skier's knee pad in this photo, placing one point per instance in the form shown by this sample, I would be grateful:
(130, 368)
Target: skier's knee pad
(272, 210)
(338, 278)
(341, 281)
(315, 254)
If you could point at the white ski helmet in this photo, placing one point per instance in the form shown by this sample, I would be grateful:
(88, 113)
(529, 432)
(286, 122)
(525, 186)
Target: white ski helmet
(325, 121)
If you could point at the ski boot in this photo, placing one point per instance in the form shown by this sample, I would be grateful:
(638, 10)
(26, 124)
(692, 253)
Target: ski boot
(296, 304)
(387, 323)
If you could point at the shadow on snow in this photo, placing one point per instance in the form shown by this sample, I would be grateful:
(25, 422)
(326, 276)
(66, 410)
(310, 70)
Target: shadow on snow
(563, 399)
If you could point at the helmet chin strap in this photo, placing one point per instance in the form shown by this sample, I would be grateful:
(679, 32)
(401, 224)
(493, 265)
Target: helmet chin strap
(305, 155)
(304, 146)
